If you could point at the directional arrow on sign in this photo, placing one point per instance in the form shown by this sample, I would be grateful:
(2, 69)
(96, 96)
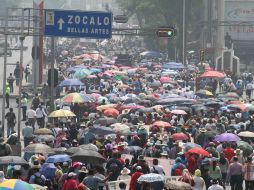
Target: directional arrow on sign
(60, 22)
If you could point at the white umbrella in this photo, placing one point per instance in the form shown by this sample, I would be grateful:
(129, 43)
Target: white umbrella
(246, 134)
(152, 177)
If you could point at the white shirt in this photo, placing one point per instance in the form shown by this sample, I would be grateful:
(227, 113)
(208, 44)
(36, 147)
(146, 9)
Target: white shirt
(199, 183)
(40, 113)
(30, 113)
(158, 168)
(216, 187)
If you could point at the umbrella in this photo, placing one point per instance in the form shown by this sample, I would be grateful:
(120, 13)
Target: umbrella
(105, 121)
(250, 107)
(179, 136)
(38, 148)
(151, 54)
(198, 150)
(43, 131)
(99, 130)
(15, 184)
(48, 170)
(102, 99)
(58, 158)
(72, 150)
(178, 185)
(164, 80)
(82, 73)
(44, 138)
(73, 98)
(155, 84)
(88, 147)
(246, 134)
(245, 147)
(188, 146)
(212, 74)
(88, 156)
(38, 187)
(71, 82)
(121, 128)
(151, 177)
(232, 95)
(87, 98)
(179, 112)
(162, 124)
(227, 137)
(105, 107)
(6, 160)
(111, 112)
(173, 66)
(203, 93)
(132, 149)
(62, 113)
(59, 150)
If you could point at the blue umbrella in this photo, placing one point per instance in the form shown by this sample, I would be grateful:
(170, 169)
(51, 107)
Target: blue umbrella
(48, 170)
(76, 68)
(58, 158)
(95, 70)
(71, 82)
(173, 65)
(151, 54)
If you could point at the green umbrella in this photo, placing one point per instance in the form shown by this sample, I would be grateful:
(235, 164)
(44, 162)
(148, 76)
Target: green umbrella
(82, 73)
(118, 77)
(245, 147)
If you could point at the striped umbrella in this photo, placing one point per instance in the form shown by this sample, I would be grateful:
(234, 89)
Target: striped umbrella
(15, 184)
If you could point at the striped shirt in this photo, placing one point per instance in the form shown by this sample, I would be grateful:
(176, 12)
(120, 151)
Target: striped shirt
(248, 172)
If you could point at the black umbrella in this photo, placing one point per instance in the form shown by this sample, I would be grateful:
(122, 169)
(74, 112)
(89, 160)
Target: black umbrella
(105, 121)
(88, 156)
(6, 160)
(59, 150)
(132, 149)
(72, 150)
(101, 130)
(38, 148)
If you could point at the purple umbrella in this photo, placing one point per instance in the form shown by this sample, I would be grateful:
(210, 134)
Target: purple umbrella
(227, 137)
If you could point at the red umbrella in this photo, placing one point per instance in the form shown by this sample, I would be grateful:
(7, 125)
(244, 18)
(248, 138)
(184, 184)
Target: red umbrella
(111, 112)
(198, 150)
(161, 124)
(164, 80)
(179, 136)
(212, 74)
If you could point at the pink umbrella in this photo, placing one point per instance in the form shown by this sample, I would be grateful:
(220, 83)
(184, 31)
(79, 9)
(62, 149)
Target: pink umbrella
(212, 74)
(91, 77)
(132, 107)
(124, 67)
(95, 96)
(86, 56)
(164, 80)
(179, 112)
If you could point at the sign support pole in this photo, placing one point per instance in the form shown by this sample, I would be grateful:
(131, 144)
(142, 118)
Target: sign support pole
(52, 69)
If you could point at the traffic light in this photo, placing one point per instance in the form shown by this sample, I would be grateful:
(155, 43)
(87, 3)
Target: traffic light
(202, 55)
(121, 19)
(166, 32)
(35, 51)
(55, 77)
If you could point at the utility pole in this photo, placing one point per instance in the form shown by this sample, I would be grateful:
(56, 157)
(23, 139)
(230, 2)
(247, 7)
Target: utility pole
(21, 38)
(4, 70)
(52, 69)
(220, 29)
(183, 49)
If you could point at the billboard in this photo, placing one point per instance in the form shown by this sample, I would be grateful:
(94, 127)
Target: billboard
(240, 11)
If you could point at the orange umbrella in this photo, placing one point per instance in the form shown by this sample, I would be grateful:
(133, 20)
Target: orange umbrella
(179, 136)
(212, 74)
(111, 112)
(198, 150)
(161, 124)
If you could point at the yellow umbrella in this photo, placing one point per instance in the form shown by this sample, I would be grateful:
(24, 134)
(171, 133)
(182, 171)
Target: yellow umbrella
(62, 113)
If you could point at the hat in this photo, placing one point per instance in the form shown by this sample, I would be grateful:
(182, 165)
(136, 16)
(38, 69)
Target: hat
(158, 143)
(83, 170)
(126, 171)
(121, 144)
(164, 153)
(202, 130)
(141, 158)
(138, 168)
(238, 115)
(2, 178)
(72, 174)
(141, 125)
(211, 144)
(180, 153)
(238, 151)
(68, 121)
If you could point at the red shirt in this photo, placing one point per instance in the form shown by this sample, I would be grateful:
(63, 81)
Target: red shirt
(134, 179)
(70, 184)
(229, 153)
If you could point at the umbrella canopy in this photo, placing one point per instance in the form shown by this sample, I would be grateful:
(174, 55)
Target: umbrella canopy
(111, 112)
(38, 148)
(151, 54)
(62, 113)
(73, 98)
(199, 151)
(105, 107)
(227, 137)
(59, 150)
(179, 136)
(43, 131)
(179, 112)
(178, 185)
(173, 66)
(245, 147)
(121, 128)
(105, 121)
(38, 187)
(189, 145)
(99, 130)
(232, 95)
(212, 74)
(58, 158)
(44, 138)
(72, 150)
(164, 80)
(162, 124)
(132, 149)
(71, 82)
(6, 160)
(88, 147)
(15, 184)
(48, 170)
(88, 156)
(246, 134)
(203, 93)
(82, 73)
(150, 178)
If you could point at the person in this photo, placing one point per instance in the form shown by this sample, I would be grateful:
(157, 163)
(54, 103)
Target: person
(156, 168)
(31, 116)
(125, 174)
(235, 174)
(17, 73)
(215, 186)
(27, 72)
(44, 93)
(10, 81)
(40, 116)
(199, 182)
(214, 171)
(27, 133)
(134, 185)
(11, 121)
(5, 148)
(248, 170)
(2, 177)
(223, 164)
(187, 177)
(71, 182)
(122, 186)
(37, 177)
(177, 168)
(36, 101)
(92, 182)
(23, 102)
(229, 152)
(114, 166)
(7, 95)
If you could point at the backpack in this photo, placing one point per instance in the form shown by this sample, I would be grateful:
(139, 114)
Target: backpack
(38, 180)
(3, 150)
